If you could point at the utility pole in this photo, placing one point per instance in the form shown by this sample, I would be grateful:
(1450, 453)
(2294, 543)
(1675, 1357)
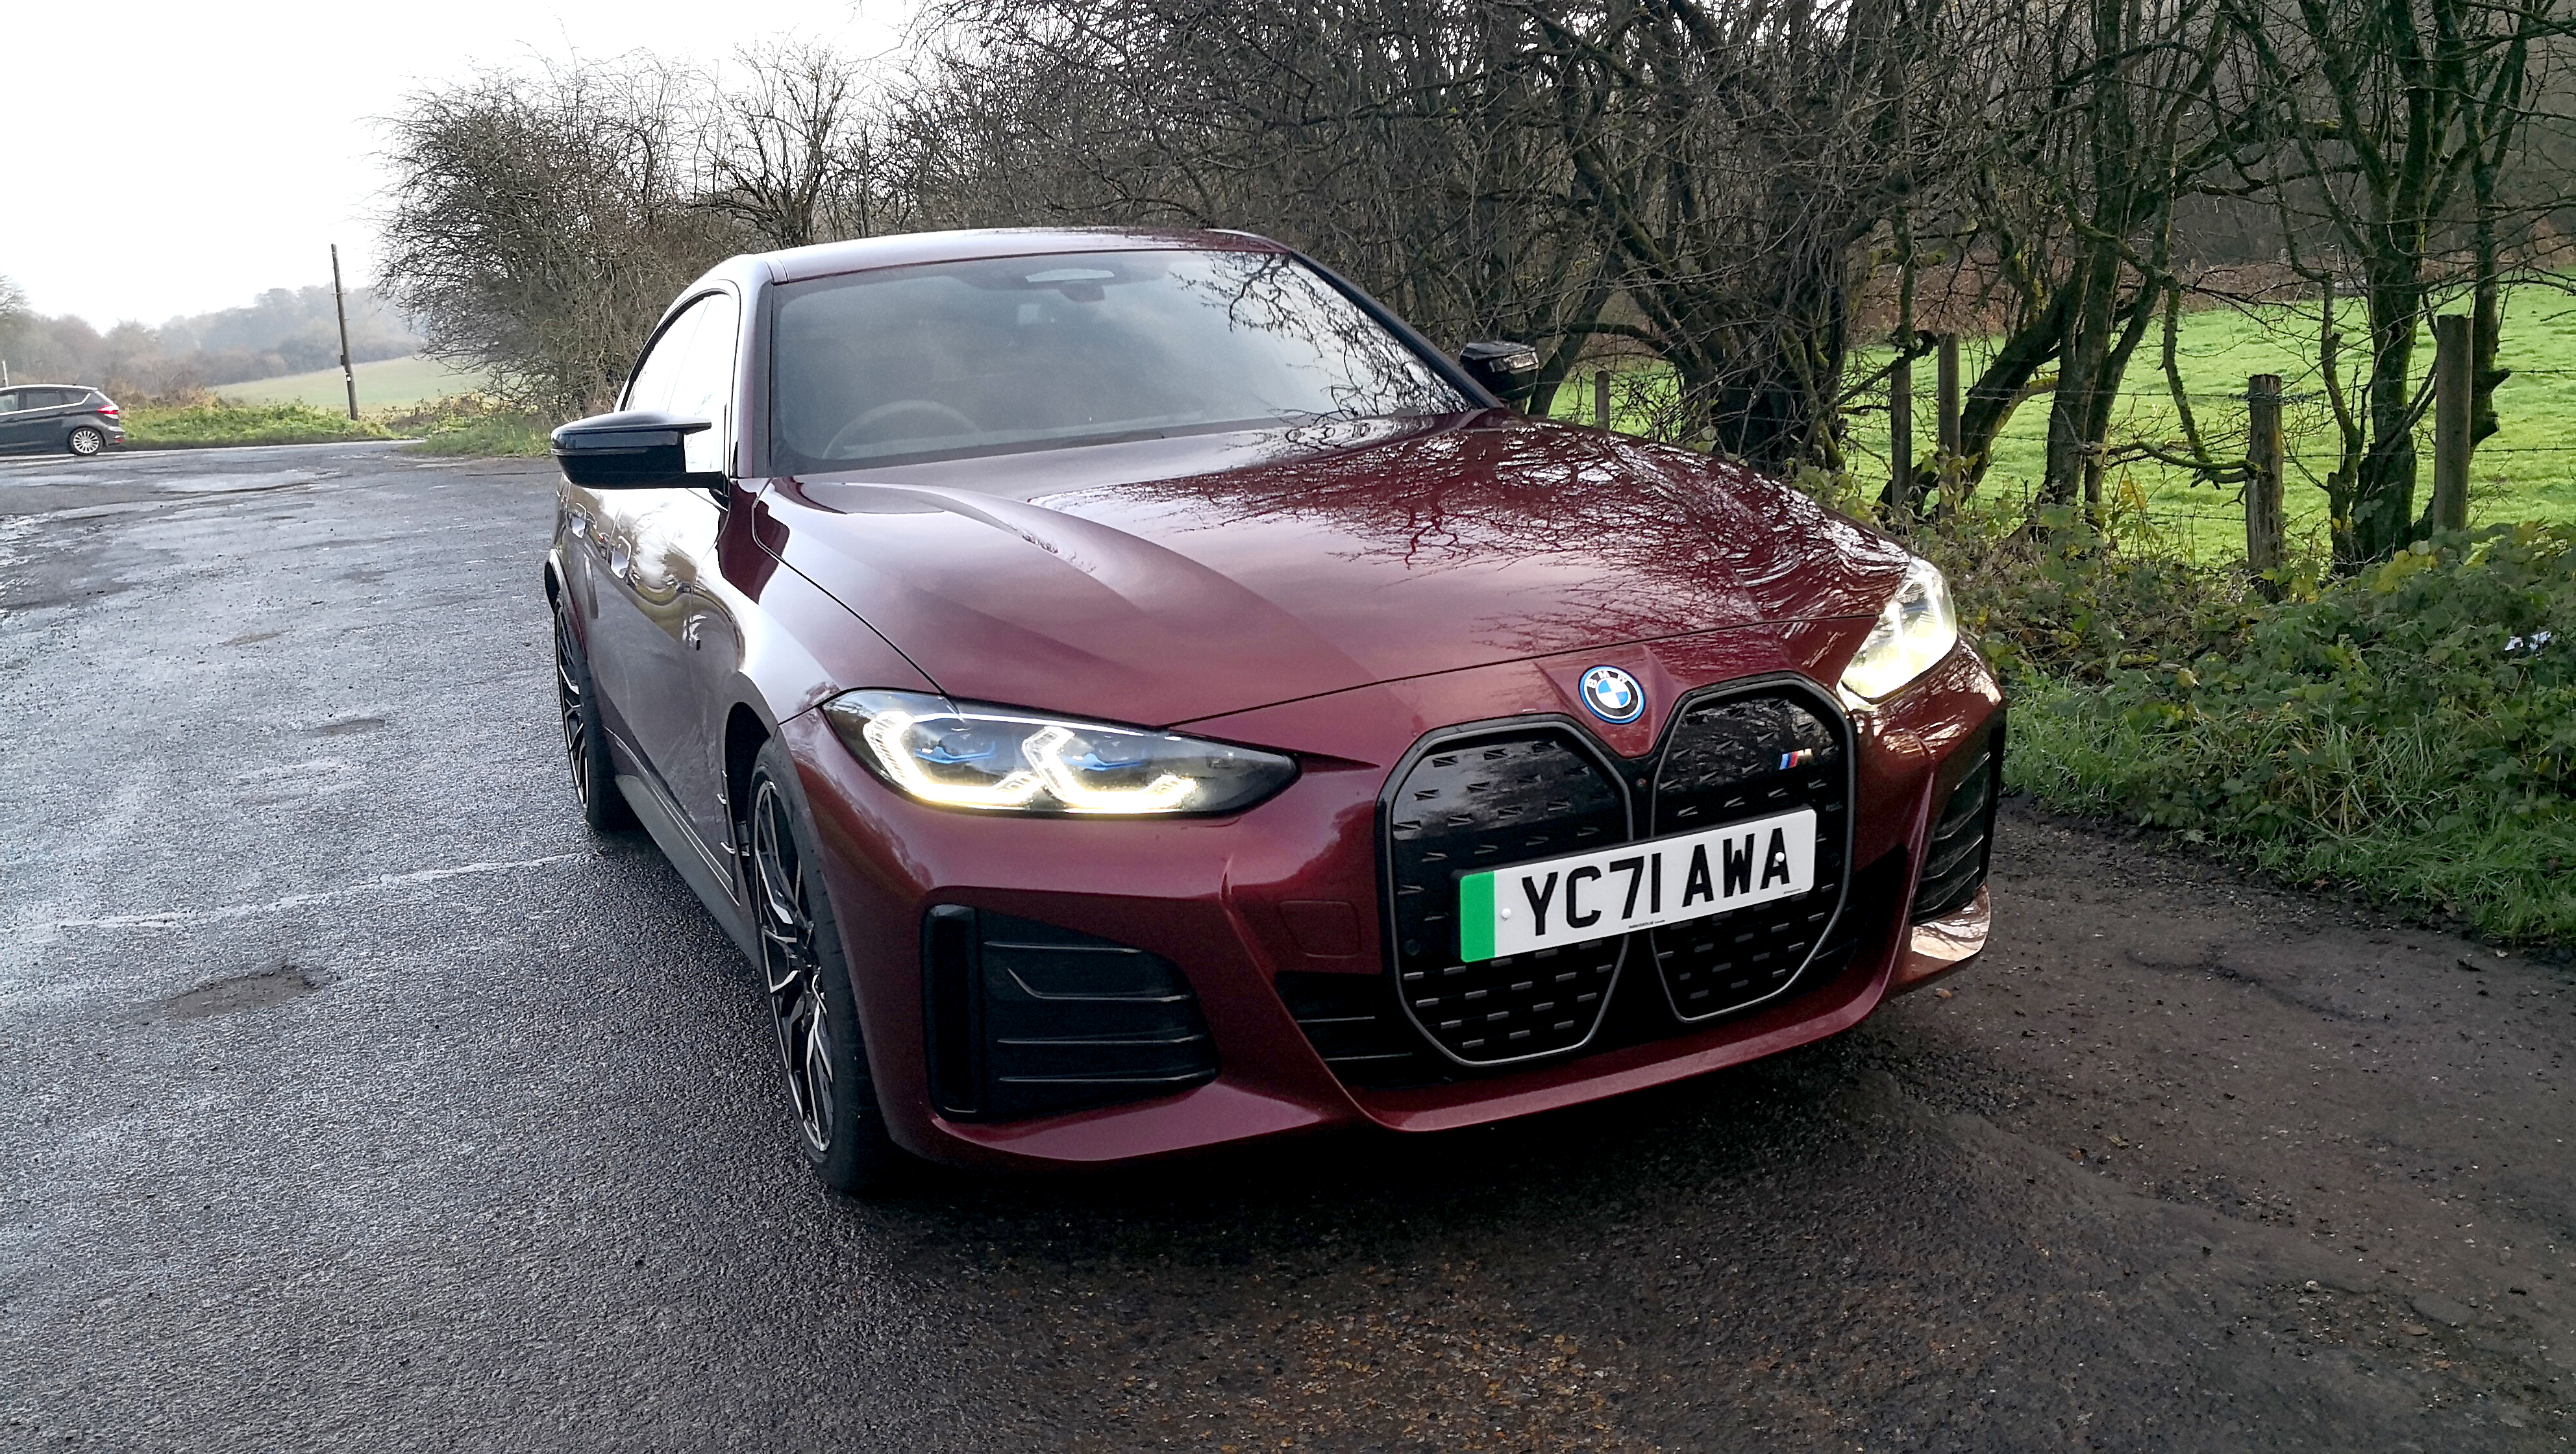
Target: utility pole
(340, 304)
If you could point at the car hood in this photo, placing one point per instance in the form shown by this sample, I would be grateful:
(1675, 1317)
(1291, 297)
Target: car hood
(1164, 580)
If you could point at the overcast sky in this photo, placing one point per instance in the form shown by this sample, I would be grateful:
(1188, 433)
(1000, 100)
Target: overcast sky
(180, 158)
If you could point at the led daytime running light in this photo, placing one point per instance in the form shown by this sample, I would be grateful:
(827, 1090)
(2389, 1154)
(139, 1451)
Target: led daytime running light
(1046, 750)
(884, 732)
(999, 759)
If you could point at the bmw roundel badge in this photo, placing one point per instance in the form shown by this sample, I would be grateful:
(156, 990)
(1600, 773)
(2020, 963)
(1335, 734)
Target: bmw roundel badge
(1613, 696)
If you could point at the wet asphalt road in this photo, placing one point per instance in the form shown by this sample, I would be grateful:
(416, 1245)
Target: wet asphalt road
(352, 1097)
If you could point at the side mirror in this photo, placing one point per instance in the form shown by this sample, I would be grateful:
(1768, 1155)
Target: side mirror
(1509, 371)
(636, 449)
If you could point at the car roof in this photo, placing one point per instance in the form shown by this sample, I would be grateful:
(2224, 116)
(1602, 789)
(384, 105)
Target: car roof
(827, 259)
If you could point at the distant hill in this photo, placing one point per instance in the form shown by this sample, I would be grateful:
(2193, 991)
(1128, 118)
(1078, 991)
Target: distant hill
(283, 331)
(383, 383)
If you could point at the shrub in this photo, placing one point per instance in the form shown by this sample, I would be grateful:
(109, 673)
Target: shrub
(212, 422)
(2410, 730)
(471, 424)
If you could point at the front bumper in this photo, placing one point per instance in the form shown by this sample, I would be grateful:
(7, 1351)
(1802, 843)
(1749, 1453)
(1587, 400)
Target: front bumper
(1292, 888)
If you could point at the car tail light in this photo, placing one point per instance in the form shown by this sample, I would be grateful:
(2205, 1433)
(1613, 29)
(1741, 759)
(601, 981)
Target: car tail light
(107, 409)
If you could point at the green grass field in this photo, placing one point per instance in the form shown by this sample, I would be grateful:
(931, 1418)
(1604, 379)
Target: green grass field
(385, 384)
(2525, 472)
(226, 423)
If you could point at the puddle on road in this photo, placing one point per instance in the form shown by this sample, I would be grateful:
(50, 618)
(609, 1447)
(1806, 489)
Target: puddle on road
(257, 990)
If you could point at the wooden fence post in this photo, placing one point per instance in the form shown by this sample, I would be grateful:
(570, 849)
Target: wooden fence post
(2451, 362)
(1946, 386)
(2263, 477)
(1601, 399)
(1900, 434)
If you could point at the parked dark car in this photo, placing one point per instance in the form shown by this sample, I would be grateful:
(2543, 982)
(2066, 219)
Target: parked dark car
(69, 417)
(1130, 693)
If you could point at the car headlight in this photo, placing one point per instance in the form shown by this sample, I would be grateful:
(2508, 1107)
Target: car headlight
(1917, 629)
(999, 760)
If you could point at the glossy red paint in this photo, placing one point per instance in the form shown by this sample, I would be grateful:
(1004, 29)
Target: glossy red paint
(1332, 592)
(1291, 563)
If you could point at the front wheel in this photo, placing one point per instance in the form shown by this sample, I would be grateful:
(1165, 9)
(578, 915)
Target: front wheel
(839, 1126)
(594, 780)
(85, 441)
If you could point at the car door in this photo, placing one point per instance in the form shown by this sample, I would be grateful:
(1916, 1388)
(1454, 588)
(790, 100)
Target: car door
(50, 414)
(16, 432)
(666, 619)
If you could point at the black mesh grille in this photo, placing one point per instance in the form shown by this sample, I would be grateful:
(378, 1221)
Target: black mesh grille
(1475, 804)
(1751, 757)
(1954, 862)
(1523, 792)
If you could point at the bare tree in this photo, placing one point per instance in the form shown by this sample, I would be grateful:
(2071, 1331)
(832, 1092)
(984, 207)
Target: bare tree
(1731, 157)
(793, 154)
(1409, 142)
(541, 222)
(2100, 118)
(2391, 126)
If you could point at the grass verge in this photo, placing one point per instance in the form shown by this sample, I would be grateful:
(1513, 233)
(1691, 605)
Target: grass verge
(205, 424)
(466, 425)
(472, 424)
(2407, 733)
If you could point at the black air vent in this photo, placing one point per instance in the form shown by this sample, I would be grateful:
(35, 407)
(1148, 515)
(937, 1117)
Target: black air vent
(1028, 1019)
(1963, 837)
(1353, 1022)
(1475, 803)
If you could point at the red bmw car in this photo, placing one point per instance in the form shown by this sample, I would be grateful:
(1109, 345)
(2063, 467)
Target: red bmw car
(1129, 693)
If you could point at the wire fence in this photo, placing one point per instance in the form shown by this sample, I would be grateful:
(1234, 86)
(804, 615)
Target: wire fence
(2190, 488)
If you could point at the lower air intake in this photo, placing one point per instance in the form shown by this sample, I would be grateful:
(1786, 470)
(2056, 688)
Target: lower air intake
(1963, 837)
(1028, 1019)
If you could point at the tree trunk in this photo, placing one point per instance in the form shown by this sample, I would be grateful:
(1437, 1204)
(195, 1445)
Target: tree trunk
(2383, 505)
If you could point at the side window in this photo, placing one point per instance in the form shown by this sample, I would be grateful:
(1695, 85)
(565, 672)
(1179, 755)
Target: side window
(651, 388)
(690, 373)
(9, 402)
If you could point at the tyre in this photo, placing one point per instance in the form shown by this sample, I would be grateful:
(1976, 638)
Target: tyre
(839, 1127)
(594, 781)
(85, 441)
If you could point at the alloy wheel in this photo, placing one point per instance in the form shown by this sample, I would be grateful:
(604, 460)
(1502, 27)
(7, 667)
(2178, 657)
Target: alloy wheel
(85, 442)
(792, 967)
(568, 696)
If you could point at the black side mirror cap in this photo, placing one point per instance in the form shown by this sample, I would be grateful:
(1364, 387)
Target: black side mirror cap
(1509, 371)
(635, 449)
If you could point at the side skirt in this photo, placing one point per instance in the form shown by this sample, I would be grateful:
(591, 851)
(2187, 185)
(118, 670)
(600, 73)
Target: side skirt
(680, 845)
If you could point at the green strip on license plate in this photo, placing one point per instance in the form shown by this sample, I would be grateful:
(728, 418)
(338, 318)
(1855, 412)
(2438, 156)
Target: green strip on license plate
(1476, 916)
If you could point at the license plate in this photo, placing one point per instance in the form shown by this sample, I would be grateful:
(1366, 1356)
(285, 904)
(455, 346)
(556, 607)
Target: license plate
(1587, 896)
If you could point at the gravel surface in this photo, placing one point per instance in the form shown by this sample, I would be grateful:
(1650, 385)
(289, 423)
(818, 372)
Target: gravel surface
(351, 1096)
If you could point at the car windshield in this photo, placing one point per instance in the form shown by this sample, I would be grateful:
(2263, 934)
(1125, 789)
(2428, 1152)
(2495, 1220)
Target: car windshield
(951, 359)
